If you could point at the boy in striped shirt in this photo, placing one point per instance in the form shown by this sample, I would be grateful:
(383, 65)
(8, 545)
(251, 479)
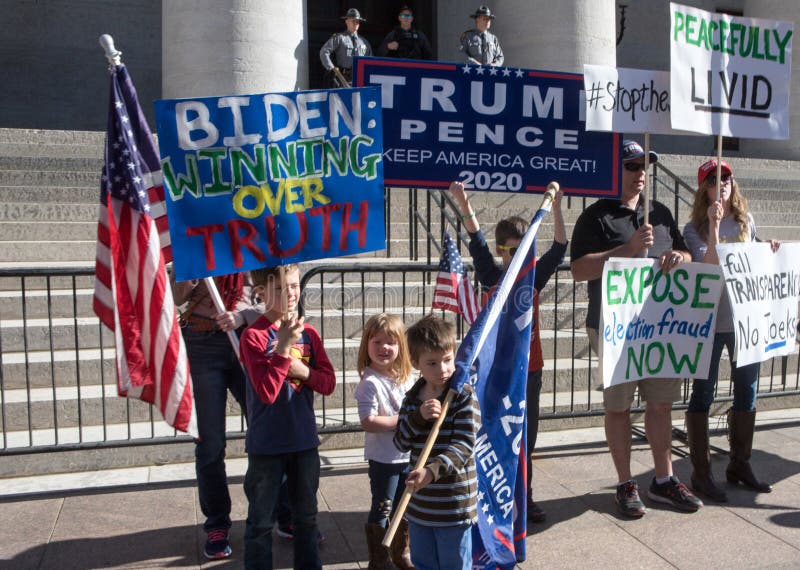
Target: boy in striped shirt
(442, 509)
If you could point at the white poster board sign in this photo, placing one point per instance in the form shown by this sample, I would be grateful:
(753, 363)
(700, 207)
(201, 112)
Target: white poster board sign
(763, 288)
(657, 325)
(730, 75)
(624, 100)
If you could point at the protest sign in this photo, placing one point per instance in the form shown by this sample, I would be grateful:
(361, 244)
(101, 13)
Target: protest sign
(763, 288)
(496, 129)
(656, 324)
(269, 179)
(627, 100)
(730, 75)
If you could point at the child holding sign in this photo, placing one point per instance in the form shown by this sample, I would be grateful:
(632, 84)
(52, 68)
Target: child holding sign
(385, 369)
(719, 221)
(286, 363)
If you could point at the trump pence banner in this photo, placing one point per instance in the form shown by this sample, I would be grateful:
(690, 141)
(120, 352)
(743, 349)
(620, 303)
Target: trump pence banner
(269, 179)
(763, 288)
(656, 324)
(498, 129)
(730, 75)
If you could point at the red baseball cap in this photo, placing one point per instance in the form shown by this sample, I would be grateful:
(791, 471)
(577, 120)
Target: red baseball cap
(711, 166)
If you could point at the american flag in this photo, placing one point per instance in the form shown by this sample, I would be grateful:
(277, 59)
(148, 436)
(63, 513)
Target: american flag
(132, 293)
(453, 291)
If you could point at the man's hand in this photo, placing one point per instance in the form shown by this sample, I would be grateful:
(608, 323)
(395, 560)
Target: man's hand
(392, 46)
(225, 321)
(641, 240)
(418, 479)
(459, 193)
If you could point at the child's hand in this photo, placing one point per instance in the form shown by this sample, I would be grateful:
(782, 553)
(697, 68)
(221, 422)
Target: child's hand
(298, 369)
(431, 409)
(289, 332)
(418, 479)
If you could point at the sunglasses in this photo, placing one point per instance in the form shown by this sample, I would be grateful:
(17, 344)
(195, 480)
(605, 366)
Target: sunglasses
(511, 249)
(406, 16)
(634, 166)
(712, 179)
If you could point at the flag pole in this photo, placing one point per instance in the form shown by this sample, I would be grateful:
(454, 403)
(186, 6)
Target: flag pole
(423, 459)
(719, 165)
(215, 296)
(112, 54)
(646, 192)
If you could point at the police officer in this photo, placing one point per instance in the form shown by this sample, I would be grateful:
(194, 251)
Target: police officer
(479, 44)
(405, 40)
(343, 46)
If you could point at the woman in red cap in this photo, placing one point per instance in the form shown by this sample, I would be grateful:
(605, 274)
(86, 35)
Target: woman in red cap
(712, 222)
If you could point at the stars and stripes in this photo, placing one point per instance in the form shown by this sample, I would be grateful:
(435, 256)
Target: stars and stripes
(132, 293)
(453, 291)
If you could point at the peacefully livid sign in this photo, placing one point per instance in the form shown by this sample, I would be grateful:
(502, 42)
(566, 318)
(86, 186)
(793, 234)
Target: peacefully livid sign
(627, 100)
(656, 324)
(763, 288)
(495, 128)
(730, 75)
(262, 180)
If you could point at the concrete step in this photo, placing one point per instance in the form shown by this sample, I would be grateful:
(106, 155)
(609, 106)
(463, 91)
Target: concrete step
(50, 178)
(42, 162)
(92, 139)
(66, 231)
(47, 195)
(53, 251)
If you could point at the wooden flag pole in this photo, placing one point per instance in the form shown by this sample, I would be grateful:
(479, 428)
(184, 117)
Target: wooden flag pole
(719, 166)
(285, 315)
(646, 191)
(423, 459)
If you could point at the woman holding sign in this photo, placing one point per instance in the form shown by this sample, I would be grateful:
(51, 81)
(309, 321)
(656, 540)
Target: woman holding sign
(715, 221)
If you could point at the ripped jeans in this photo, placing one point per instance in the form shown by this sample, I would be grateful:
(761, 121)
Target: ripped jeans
(387, 481)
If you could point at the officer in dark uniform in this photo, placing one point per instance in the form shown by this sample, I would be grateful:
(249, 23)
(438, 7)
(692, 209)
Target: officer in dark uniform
(343, 46)
(479, 44)
(405, 40)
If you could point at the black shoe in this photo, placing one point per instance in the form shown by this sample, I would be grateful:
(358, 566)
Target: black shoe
(674, 493)
(628, 501)
(217, 545)
(535, 513)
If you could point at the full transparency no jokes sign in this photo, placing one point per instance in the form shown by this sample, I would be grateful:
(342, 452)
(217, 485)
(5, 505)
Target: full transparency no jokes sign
(763, 288)
(730, 75)
(269, 179)
(656, 324)
(498, 129)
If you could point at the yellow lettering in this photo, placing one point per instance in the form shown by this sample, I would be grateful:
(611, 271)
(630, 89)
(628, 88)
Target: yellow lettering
(243, 209)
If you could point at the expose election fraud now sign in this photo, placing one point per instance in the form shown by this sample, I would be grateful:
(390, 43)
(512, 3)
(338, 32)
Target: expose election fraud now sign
(268, 179)
(498, 129)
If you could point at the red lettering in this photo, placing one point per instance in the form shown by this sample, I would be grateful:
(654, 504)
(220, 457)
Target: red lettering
(359, 225)
(208, 241)
(272, 237)
(238, 241)
(325, 212)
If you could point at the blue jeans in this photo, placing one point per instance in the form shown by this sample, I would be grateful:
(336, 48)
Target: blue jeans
(441, 548)
(745, 380)
(262, 485)
(215, 370)
(387, 481)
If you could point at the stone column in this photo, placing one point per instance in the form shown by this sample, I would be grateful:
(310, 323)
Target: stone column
(224, 47)
(786, 10)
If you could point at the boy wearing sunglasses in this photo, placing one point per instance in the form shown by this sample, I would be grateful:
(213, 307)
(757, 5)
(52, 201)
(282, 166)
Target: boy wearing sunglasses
(615, 228)
(508, 235)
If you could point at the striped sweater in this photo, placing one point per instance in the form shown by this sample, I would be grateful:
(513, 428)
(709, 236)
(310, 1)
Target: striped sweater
(450, 499)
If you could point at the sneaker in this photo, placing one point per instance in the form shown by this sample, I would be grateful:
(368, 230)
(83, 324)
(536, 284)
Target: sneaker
(674, 493)
(285, 532)
(217, 545)
(628, 501)
(535, 513)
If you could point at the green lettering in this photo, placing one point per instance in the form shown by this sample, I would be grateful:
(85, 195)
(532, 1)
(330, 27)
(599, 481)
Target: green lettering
(369, 170)
(610, 288)
(190, 183)
(629, 275)
(679, 275)
(636, 363)
(661, 296)
(331, 157)
(677, 364)
(702, 34)
(653, 370)
(215, 156)
(308, 156)
(700, 290)
(782, 44)
(712, 27)
(241, 161)
(278, 162)
(677, 25)
(645, 279)
(690, 31)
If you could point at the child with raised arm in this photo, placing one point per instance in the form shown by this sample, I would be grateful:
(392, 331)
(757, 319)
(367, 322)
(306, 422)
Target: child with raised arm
(443, 508)
(385, 370)
(286, 363)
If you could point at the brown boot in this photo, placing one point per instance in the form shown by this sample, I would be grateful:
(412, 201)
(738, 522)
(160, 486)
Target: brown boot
(740, 434)
(702, 476)
(401, 553)
(378, 553)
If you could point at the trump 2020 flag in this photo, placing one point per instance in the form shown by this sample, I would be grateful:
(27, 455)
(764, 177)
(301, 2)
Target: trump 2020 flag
(453, 291)
(493, 358)
(132, 294)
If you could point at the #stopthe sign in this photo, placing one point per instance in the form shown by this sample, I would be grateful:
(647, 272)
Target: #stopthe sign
(656, 324)
(263, 180)
(763, 288)
(730, 75)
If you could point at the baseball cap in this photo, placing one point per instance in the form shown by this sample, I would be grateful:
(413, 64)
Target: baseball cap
(632, 150)
(710, 166)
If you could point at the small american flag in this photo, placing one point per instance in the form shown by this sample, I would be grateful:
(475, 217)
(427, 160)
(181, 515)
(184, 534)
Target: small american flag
(132, 293)
(453, 291)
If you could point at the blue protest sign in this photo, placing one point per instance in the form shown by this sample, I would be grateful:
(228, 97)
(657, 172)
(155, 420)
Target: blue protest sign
(269, 179)
(496, 128)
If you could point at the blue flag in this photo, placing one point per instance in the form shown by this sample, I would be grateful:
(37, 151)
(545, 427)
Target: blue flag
(493, 358)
